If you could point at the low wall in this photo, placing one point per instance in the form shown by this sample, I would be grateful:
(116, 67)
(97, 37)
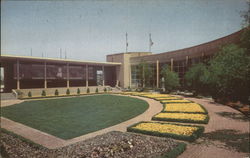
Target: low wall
(37, 92)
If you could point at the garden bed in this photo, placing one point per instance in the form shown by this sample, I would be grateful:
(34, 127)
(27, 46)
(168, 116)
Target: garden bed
(112, 144)
(184, 108)
(172, 130)
(175, 101)
(182, 117)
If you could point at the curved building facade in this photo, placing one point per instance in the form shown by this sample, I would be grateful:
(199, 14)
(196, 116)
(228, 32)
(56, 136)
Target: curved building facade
(178, 60)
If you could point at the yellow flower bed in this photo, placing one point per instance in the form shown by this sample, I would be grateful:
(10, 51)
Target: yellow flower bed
(166, 98)
(166, 128)
(140, 93)
(188, 107)
(127, 93)
(181, 116)
(176, 101)
(156, 95)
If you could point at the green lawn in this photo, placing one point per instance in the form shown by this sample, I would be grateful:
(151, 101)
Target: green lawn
(71, 117)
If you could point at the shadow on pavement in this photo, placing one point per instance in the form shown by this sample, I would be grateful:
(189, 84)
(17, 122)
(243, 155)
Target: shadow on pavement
(232, 138)
(232, 115)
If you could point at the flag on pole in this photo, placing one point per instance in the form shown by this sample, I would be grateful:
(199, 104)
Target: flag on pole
(150, 40)
(126, 42)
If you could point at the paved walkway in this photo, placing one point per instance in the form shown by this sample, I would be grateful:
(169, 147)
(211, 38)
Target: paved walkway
(227, 128)
(10, 102)
(53, 142)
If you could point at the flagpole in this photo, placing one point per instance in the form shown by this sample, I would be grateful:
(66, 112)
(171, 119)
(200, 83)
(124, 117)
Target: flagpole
(126, 42)
(150, 42)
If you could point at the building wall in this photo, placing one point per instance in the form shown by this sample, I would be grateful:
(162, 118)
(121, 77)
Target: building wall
(124, 71)
(29, 73)
(179, 61)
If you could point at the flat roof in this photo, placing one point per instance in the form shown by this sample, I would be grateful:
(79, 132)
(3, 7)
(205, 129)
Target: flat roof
(129, 53)
(5, 56)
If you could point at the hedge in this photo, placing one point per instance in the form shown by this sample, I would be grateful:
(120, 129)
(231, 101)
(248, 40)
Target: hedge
(174, 153)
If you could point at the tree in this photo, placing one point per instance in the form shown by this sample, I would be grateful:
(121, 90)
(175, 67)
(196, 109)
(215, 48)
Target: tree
(245, 37)
(56, 92)
(145, 73)
(171, 79)
(230, 74)
(78, 91)
(197, 79)
(246, 16)
(68, 92)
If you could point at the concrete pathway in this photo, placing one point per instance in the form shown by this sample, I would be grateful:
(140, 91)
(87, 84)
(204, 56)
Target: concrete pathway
(53, 142)
(10, 102)
(225, 129)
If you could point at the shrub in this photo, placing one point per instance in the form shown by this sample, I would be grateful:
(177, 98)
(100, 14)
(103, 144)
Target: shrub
(171, 79)
(30, 94)
(78, 91)
(229, 74)
(197, 79)
(68, 92)
(96, 90)
(88, 91)
(176, 151)
(105, 89)
(43, 93)
(56, 92)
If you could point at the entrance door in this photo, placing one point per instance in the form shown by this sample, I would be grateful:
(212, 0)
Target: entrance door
(99, 77)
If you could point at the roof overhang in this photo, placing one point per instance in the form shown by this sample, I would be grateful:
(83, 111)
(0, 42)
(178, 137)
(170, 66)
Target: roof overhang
(54, 60)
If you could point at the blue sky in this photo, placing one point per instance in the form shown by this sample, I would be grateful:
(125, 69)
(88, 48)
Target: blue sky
(89, 30)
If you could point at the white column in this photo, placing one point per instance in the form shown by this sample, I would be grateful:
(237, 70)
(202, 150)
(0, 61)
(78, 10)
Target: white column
(18, 82)
(103, 76)
(67, 75)
(45, 75)
(172, 64)
(157, 73)
(186, 60)
(87, 75)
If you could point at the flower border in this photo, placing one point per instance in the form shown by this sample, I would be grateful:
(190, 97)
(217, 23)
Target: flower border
(196, 134)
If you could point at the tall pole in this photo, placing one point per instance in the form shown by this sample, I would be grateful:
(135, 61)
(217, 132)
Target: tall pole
(126, 42)
(18, 76)
(65, 53)
(67, 75)
(60, 53)
(45, 75)
(31, 52)
(157, 73)
(150, 42)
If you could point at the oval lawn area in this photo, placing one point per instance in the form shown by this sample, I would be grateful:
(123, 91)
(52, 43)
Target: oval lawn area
(67, 118)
